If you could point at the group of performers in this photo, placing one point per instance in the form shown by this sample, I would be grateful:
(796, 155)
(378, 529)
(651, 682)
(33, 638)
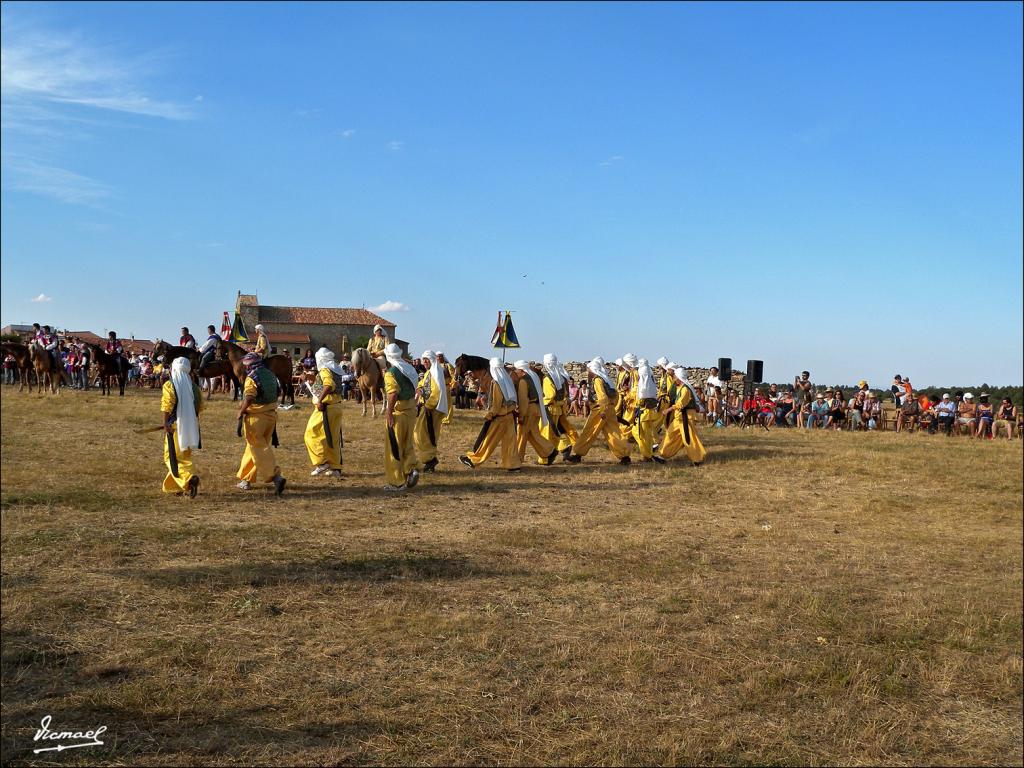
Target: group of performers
(527, 407)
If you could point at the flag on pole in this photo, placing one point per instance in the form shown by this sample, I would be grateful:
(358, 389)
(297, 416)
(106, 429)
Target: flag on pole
(505, 334)
(238, 330)
(496, 336)
(225, 328)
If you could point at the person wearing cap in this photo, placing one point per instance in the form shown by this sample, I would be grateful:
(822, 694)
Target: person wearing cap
(648, 417)
(871, 416)
(602, 421)
(453, 387)
(819, 412)
(324, 437)
(555, 382)
(258, 414)
(1006, 416)
(625, 383)
(499, 428)
(180, 404)
(967, 415)
(682, 430)
(432, 396)
(377, 343)
(533, 414)
(401, 467)
(945, 415)
(262, 342)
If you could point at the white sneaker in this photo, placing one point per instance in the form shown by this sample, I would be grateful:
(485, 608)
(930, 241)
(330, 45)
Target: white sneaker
(244, 485)
(319, 470)
(334, 473)
(395, 487)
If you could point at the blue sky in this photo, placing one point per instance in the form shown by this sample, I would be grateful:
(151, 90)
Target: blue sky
(834, 187)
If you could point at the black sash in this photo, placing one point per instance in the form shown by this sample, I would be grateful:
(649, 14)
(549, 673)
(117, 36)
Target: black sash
(393, 440)
(482, 435)
(430, 428)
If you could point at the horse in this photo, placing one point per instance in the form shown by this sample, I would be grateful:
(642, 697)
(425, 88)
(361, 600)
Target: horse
(278, 364)
(477, 367)
(23, 361)
(43, 365)
(109, 366)
(171, 352)
(218, 369)
(369, 372)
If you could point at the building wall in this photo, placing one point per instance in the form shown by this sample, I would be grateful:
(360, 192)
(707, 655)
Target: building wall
(319, 335)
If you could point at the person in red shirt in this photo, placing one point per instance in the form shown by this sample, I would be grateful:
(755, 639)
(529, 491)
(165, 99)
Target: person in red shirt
(759, 409)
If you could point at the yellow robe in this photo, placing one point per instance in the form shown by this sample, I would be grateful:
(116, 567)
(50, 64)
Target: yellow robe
(602, 421)
(452, 389)
(375, 346)
(529, 425)
(168, 401)
(559, 430)
(499, 430)
(645, 429)
(682, 432)
(626, 384)
(259, 464)
(397, 467)
(315, 437)
(428, 421)
(262, 345)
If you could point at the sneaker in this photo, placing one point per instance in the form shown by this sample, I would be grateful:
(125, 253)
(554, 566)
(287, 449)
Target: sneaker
(655, 447)
(430, 465)
(574, 458)
(625, 461)
(319, 470)
(658, 459)
(566, 453)
(412, 478)
(279, 485)
(244, 485)
(551, 458)
(465, 460)
(193, 486)
(394, 487)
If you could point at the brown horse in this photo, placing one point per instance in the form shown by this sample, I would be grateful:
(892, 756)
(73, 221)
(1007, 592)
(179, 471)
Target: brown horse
(477, 367)
(170, 352)
(278, 364)
(218, 369)
(23, 362)
(109, 367)
(369, 372)
(43, 365)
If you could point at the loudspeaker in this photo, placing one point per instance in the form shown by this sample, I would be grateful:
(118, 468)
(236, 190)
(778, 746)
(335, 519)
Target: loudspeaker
(755, 371)
(725, 368)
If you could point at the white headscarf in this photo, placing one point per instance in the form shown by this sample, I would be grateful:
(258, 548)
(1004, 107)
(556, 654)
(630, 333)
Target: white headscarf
(629, 360)
(662, 362)
(503, 380)
(325, 359)
(596, 367)
(522, 365)
(259, 328)
(684, 379)
(187, 423)
(646, 385)
(378, 328)
(618, 361)
(437, 375)
(393, 353)
(554, 370)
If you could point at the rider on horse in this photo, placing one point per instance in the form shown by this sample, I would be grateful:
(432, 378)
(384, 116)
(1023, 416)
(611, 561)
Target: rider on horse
(209, 349)
(114, 347)
(375, 346)
(187, 340)
(47, 339)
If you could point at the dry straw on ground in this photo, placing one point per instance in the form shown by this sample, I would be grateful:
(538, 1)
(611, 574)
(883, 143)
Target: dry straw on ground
(801, 598)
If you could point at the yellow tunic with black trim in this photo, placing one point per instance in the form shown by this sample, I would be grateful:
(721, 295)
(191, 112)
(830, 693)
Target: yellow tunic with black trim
(682, 432)
(399, 441)
(602, 421)
(428, 419)
(169, 404)
(315, 437)
(499, 429)
(259, 464)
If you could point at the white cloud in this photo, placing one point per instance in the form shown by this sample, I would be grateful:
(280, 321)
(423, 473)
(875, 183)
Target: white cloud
(56, 183)
(348, 133)
(612, 160)
(390, 306)
(396, 146)
(42, 297)
(198, 98)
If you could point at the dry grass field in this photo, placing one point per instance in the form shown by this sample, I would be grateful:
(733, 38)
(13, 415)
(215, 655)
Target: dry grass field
(799, 599)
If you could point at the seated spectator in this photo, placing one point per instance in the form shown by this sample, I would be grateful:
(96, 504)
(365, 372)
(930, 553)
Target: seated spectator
(761, 410)
(348, 381)
(818, 414)
(583, 398)
(784, 416)
(733, 411)
(871, 415)
(967, 415)
(945, 415)
(909, 413)
(986, 416)
(837, 409)
(927, 411)
(574, 391)
(1006, 416)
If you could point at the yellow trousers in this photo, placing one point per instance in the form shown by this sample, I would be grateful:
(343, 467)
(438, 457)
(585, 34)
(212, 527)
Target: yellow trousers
(501, 431)
(602, 421)
(399, 446)
(530, 432)
(428, 430)
(177, 484)
(559, 431)
(628, 412)
(259, 465)
(644, 430)
(316, 438)
(447, 420)
(685, 437)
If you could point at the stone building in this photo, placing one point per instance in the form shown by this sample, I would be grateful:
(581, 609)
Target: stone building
(296, 329)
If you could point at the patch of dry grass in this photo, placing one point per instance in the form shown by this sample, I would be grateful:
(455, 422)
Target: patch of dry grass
(801, 598)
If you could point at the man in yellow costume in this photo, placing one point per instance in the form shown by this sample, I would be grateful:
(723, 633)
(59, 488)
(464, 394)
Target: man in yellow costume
(401, 469)
(433, 406)
(258, 420)
(375, 346)
(682, 432)
(625, 383)
(453, 387)
(533, 415)
(499, 427)
(324, 438)
(602, 419)
(559, 430)
(262, 342)
(648, 417)
(180, 404)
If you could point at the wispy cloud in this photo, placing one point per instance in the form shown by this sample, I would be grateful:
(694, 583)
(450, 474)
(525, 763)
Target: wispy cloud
(308, 112)
(612, 160)
(396, 146)
(41, 298)
(56, 183)
(348, 133)
(390, 306)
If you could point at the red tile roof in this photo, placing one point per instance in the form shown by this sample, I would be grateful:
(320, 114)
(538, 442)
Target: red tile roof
(321, 316)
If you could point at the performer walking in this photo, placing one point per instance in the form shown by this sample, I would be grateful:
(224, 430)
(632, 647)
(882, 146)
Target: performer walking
(323, 436)
(602, 419)
(499, 427)
(434, 405)
(400, 465)
(559, 430)
(180, 404)
(648, 417)
(453, 387)
(626, 385)
(682, 432)
(258, 417)
(533, 416)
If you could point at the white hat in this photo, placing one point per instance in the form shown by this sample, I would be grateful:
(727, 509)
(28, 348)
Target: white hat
(945, 396)
(259, 327)
(661, 362)
(630, 360)
(377, 328)
(968, 396)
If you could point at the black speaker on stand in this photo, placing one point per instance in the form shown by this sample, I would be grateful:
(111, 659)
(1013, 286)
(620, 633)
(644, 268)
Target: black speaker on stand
(755, 371)
(725, 369)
